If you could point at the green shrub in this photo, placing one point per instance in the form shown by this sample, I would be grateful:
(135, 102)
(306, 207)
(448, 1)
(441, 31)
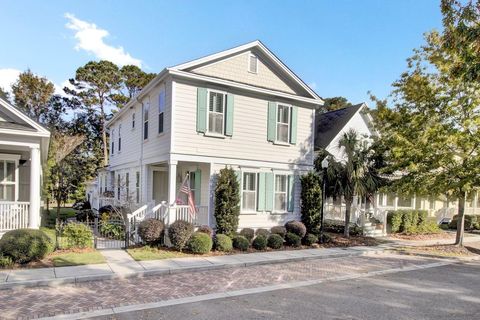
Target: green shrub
(394, 219)
(205, 229)
(428, 226)
(296, 227)
(241, 243)
(327, 238)
(310, 239)
(275, 241)
(223, 243)
(471, 222)
(151, 230)
(247, 233)
(311, 204)
(293, 239)
(335, 226)
(179, 232)
(262, 232)
(5, 261)
(227, 201)
(280, 230)
(200, 243)
(410, 222)
(260, 242)
(77, 235)
(25, 245)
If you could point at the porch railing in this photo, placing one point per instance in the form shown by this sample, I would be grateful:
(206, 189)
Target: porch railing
(14, 215)
(200, 217)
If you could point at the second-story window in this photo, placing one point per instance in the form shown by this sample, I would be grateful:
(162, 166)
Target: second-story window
(145, 120)
(283, 123)
(112, 138)
(119, 137)
(133, 120)
(161, 110)
(216, 112)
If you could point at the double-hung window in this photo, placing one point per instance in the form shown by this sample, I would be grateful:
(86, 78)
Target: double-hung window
(283, 123)
(112, 137)
(137, 186)
(133, 120)
(145, 120)
(127, 186)
(249, 191)
(8, 180)
(161, 110)
(281, 193)
(216, 112)
(119, 137)
(118, 186)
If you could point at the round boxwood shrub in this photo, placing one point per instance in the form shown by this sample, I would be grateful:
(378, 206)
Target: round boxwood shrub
(310, 239)
(293, 240)
(25, 245)
(223, 243)
(150, 230)
(262, 232)
(275, 241)
(205, 229)
(200, 243)
(241, 243)
(280, 230)
(248, 233)
(260, 242)
(179, 232)
(78, 235)
(296, 227)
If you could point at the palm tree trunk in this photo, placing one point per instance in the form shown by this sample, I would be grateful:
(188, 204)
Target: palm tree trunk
(461, 219)
(348, 207)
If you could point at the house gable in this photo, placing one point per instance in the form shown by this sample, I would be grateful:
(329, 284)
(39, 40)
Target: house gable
(233, 65)
(12, 120)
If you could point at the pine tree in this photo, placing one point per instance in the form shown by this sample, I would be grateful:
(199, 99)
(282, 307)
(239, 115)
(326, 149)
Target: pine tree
(227, 201)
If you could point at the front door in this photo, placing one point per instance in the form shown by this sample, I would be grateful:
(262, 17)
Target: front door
(160, 186)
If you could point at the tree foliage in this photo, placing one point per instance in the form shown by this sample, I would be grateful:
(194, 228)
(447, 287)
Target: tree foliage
(227, 201)
(336, 103)
(431, 128)
(311, 203)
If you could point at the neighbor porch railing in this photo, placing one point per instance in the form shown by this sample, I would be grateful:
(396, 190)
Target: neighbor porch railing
(14, 215)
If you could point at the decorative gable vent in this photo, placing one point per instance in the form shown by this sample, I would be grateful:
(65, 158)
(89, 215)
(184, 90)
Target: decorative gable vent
(252, 63)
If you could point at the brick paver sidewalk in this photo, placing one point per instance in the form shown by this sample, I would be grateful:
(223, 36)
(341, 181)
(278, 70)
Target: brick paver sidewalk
(89, 296)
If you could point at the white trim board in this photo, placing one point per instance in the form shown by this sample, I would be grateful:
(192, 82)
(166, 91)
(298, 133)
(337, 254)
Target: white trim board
(41, 131)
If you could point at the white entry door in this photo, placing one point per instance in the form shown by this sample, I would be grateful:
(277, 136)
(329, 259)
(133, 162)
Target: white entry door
(160, 186)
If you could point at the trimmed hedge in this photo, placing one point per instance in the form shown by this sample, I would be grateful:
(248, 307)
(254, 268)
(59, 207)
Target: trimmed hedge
(223, 243)
(260, 242)
(248, 233)
(334, 226)
(471, 222)
(310, 239)
(179, 232)
(241, 243)
(150, 230)
(293, 239)
(205, 229)
(262, 232)
(200, 243)
(411, 222)
(296, 227)
(25, 245)
(275, 241)
(280, 230)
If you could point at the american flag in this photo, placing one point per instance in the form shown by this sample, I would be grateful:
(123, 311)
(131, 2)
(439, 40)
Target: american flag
(185, 188)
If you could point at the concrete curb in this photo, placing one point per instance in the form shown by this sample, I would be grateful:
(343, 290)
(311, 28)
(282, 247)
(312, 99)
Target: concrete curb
(156, 272)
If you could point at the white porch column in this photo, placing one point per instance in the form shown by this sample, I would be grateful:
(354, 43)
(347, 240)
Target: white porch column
(35, 167)
(172, 192)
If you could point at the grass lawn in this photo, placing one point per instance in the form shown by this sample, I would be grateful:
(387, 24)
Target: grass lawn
(149, 253)
(76, 258)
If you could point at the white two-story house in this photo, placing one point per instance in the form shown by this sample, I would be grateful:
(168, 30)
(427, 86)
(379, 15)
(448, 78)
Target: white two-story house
(241, 108)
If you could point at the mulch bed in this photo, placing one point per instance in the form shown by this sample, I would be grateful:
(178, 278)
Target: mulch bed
(432, 236)
(442, 250)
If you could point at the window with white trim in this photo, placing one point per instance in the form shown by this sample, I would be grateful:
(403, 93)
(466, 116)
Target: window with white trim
(127, 186)
(119, 137)
(161, 110)
(145, 120)
(118, 186)
(8, 180)
(252, 63)
(249, 191)
(137, 186)
(112, 137)
(283, 122)
(216, 112)
(133, 120)
(281, 192)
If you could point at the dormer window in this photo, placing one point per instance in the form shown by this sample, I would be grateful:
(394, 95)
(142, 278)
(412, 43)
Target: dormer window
(252, 63)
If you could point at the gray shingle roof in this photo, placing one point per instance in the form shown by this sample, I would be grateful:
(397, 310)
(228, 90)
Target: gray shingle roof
(329, 124)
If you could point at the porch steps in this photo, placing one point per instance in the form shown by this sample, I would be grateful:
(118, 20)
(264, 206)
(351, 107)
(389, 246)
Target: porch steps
(370, 230)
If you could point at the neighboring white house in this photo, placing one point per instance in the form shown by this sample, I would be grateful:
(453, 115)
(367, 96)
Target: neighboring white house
(23, 150)
(241, 108)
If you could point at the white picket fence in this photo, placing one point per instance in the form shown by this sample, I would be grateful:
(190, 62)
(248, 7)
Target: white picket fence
(14, 215)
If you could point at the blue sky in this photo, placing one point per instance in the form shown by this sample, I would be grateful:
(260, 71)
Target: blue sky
(338, 47)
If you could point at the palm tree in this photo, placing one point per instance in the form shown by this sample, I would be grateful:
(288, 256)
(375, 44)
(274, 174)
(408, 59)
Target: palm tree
(354, 174)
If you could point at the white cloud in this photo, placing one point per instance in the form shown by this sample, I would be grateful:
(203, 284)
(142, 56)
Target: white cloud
(91, 39)
(8, 76)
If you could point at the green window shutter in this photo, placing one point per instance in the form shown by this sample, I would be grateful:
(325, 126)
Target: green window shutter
(272, 121)
(269, 191)
(293, 125)
(291, 193)
(261, 192)
(229, 113)
(198, 186)
(202, 110)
